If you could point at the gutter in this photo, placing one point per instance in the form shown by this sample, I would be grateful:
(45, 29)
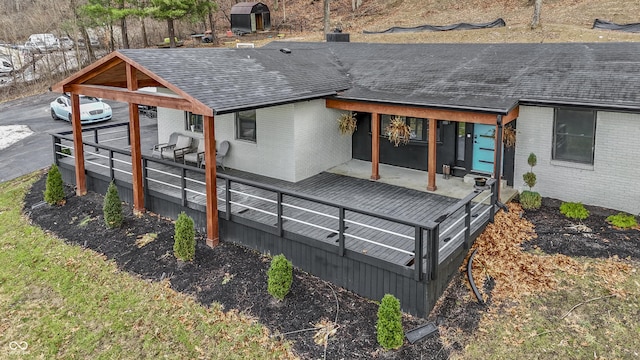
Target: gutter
(581, 104)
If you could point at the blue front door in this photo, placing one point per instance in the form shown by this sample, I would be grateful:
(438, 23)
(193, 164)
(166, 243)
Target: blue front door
(483, 148)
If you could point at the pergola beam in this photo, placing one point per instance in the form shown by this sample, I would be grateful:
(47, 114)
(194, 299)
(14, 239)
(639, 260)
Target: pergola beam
(412, 111)
(136, 97)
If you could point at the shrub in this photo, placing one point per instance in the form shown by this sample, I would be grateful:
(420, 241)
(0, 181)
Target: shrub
(530, 200)
(529, 179)
(54, 191)
(574, 210)
(532, 160)
(280, 277)
(184, 246)
(622, 220)
(112, 207)
(389, 326)
(66, 151)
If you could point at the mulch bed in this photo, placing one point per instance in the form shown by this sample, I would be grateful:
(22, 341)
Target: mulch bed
(558, 235)
(243, 271)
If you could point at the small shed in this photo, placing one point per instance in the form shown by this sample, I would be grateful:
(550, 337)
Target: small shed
(250, 17)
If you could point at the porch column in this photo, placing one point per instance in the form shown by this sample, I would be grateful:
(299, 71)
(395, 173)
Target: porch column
(136, 153)
(81, 183)
(431, 158)
(375, 146)
(213, 236)
(497, 157)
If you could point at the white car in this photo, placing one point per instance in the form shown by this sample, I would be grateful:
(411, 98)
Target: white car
(91, 109)
(6, 68)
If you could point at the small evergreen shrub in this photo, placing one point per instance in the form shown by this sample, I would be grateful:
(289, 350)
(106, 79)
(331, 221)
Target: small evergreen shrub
(65, 151)
(529, 179)
(532, 160)
(112, 207)
(389, 325)
(622, 220)
(530, 200)
(280, 277)
(54, 190)
(184, 246)
(573, 210)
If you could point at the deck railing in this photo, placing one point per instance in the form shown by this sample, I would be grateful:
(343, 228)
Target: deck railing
(346, 229)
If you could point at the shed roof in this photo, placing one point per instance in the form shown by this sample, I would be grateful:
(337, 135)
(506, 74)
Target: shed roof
(244, 8)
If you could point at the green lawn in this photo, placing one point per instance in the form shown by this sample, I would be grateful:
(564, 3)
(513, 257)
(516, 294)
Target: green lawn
(61, 301)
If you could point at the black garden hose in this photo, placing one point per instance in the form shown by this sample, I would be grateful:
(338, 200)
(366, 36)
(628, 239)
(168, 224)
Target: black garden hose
(470, 276)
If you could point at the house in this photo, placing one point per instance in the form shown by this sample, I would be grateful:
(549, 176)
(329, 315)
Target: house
(576, 106)
(250, 17)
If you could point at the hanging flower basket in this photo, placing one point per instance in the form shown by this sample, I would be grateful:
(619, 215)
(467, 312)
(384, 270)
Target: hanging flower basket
(509, 136)
(398, 131)
(347, 123)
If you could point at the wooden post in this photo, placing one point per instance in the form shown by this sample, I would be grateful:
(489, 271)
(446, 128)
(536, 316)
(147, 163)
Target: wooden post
(136, 152)
(375, 146)
(213, 237)
(497, 155)
(81, 183)
(431, 166)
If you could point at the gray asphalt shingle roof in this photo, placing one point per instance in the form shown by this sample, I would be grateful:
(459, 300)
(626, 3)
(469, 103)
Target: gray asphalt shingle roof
(485, 77)
(230, 79)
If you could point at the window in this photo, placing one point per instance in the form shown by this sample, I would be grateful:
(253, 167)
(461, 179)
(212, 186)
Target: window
(419, 127)
(194, 122)
(246, 125)
(574, 135)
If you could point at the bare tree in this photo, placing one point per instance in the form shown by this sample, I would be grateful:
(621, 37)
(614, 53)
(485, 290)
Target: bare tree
(535, 22)
(355, 4)
(326, 17)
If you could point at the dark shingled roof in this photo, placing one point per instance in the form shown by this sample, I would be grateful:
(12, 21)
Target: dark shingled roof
(228, 80)
(480, 77)
(493, 77)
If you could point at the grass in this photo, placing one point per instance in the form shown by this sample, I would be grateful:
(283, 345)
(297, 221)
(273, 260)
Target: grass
(593, 313)
(63, 301)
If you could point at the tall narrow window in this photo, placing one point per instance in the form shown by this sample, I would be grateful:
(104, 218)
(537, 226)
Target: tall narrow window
(246, 125)
(194, 122)
(574, 135)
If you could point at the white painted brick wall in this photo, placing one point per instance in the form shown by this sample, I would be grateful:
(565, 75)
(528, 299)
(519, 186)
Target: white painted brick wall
(272, 153)
(610, 182)
(318, 142)
(293, 142)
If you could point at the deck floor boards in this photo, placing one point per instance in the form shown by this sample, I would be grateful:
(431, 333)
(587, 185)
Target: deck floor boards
(384, 199)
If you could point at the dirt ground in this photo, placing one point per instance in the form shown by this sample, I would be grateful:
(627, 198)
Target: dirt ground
(236, 277)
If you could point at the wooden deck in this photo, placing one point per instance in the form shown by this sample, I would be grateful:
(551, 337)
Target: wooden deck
(364, 235)
(386, 240)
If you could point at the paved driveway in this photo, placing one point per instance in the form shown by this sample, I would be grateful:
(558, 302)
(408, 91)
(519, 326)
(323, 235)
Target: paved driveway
(36, 151)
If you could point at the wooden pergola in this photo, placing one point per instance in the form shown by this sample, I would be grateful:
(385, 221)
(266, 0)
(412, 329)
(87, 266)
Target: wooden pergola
(116, 77)
(433, 115)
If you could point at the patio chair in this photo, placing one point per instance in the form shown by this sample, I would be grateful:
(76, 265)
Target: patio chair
(222, 153)
(157, 148)
(196, 156)
(177, 151)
